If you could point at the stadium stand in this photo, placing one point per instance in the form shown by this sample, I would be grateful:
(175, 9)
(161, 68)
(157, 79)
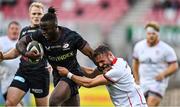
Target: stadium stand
(165, 12)
(75, 10)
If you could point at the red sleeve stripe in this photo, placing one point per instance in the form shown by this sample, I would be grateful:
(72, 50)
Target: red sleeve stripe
(139, 96)
(129, 100)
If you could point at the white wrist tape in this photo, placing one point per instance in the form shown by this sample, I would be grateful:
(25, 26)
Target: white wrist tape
(69, 75)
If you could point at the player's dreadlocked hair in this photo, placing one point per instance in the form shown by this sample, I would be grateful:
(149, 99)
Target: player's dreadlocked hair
(50, 16)
(100, 50)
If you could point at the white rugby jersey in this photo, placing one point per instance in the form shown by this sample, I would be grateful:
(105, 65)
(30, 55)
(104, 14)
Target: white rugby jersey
(153, 60)
(123, 90)
(8, 67)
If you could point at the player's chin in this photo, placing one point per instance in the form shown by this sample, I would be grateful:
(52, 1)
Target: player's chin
(36, 23)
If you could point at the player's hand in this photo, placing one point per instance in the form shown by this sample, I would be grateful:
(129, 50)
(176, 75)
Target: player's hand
(1, 56)
(33, 54)
(62, 71)
(160, 76)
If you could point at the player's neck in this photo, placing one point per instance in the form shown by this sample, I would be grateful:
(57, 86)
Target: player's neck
(56, 36)
(153, 44)
(34, 26)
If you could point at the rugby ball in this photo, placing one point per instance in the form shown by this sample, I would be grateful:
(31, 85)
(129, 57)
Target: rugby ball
(34, 45)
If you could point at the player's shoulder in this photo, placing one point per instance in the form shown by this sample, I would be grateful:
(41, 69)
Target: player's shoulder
(120, 63)
(140, 43)
(3, 38)
(29, 29)
(68, 32)
(24, 31)
(165, 46)
(26, 28)
(65, 29)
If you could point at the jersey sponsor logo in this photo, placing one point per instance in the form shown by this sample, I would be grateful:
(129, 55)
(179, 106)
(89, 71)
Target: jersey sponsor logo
(37, 90)
(52, 47)
(23, 33)
(29, 31)
(61, 57)
(66, 46)
(47, 47)
(18, 78)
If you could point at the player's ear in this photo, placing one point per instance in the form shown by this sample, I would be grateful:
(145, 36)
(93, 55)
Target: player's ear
(110, 56)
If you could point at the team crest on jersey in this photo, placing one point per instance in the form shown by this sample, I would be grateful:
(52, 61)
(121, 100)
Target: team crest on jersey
(66, 46)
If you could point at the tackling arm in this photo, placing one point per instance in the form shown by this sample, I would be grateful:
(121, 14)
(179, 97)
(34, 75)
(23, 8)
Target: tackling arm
(90, 72)
(11, 54)
(88, 83)
(84, 81)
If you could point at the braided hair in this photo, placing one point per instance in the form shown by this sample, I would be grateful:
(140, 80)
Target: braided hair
(50, 16)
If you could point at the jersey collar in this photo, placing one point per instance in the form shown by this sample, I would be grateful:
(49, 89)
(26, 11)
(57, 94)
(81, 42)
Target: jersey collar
(114, 61)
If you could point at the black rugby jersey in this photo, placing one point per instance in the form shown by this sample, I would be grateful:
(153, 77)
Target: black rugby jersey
(25, 64)
(63, 51)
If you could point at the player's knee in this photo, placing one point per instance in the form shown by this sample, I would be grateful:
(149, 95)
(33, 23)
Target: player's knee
(10, 103)
(56, 100)
(153, 101)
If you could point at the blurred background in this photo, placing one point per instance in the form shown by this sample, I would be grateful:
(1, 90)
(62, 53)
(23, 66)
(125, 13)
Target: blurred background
(117, 23)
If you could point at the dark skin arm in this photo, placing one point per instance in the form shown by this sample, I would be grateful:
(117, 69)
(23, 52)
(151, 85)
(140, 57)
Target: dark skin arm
(21, 47)
(88, 51)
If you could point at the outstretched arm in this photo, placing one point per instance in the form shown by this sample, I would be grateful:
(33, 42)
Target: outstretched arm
(90, 72)
(11, 54)
(84, 81)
